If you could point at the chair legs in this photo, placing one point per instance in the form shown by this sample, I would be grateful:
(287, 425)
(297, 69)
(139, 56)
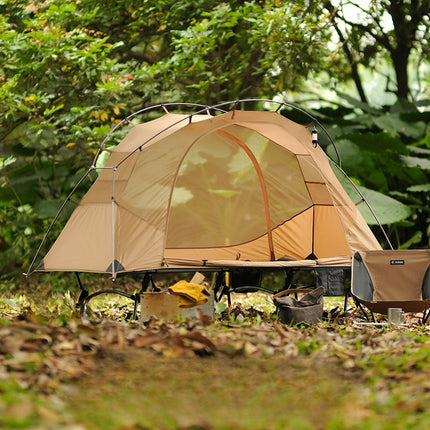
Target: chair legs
(368, 316)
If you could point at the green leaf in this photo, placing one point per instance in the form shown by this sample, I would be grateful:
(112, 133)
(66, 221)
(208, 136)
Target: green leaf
(415, 239)
(378, 142)
(386, 209)
(4, 162)
(421, 188)
(223, 193)
(50, 111)
(422, 163)
(357, 103)
(393, 125)
(47, 208)
(420, 151)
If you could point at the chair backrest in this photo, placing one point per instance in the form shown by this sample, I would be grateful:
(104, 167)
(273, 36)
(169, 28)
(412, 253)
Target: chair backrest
(392, 278)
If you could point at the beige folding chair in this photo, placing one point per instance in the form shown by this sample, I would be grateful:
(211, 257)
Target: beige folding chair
(392, 279)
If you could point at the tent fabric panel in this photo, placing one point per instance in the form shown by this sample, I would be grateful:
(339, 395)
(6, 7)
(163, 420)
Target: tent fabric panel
(152, 131)
(319, 194)
(138, 244)
(278, 133)
(283, 177)
(101, 192)
(310, 170)
(329, 235)
(215, 202)
(358, 234)
(217, 199)
(147, 193)
(295, 137)
(85, 243)
(149, 186)
(292, 240)
(339, 197)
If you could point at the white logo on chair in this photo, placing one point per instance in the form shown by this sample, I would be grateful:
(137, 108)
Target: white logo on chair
(397, 262)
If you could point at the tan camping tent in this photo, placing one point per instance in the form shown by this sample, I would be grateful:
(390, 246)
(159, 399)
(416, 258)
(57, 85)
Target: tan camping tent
(181, 190)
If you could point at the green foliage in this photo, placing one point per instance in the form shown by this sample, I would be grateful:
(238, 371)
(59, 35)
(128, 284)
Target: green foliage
(379, 33)
(386, 153)
(61, 90)
(387, 209)
(243, 49)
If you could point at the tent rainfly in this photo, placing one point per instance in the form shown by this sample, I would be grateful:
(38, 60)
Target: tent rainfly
(182, 189)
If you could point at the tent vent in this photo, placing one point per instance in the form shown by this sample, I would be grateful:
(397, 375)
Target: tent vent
(117, 267)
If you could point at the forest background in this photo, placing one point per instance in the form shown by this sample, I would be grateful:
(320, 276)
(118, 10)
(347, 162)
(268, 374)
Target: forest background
(71, 70)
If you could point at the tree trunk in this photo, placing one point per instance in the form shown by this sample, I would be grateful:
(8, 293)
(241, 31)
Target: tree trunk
(400, 61)
(405, 37)
(349, 55)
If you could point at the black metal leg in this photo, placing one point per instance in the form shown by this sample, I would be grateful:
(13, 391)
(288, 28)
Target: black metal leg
(219, 286)
(426, 314)
(136, 299)
(345, 303)
(289, 275)
(363, 310)
(83, 296)
(147, 279)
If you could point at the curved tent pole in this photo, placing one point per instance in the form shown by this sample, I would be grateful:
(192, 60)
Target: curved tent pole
(262, 182)
(128, 118)
(204, 108)
(338, 165)
(281, 104)
(214, 107)
(93, 167)
(363, 199)
(69, 197)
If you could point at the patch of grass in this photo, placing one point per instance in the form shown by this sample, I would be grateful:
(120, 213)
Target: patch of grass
(237, 393)
(308, 346)
(17, 406)
(214, 393)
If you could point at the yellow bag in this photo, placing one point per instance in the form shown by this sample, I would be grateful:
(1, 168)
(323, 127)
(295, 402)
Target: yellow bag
(189, 295)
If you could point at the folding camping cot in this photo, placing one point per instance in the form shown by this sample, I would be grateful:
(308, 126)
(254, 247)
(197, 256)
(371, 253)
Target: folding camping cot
(218, 189)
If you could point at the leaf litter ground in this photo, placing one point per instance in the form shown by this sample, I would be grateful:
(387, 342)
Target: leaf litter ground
(245, 370)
